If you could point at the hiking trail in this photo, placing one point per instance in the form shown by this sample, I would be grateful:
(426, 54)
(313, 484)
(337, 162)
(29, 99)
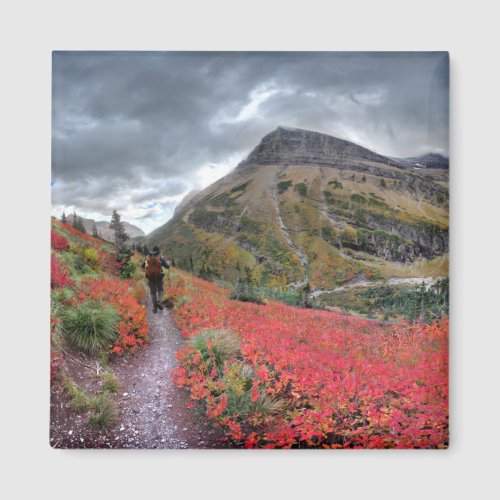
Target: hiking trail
(152, 411)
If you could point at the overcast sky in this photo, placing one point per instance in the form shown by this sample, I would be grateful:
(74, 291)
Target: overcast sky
(137, 131)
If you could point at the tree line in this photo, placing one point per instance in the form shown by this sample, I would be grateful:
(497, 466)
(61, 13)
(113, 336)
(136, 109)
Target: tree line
(120, 238)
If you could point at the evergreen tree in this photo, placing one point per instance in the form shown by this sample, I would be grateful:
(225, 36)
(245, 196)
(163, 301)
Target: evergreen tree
(75, 220)
(383, 183)
(95, 234)
(306, 291)
(191, 265)
(173, 261)
(81, 226)
(120, 236)
(63, 218)
(237, 286)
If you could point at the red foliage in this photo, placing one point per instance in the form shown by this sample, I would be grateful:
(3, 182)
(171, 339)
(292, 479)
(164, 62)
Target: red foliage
(58, 242)
(58, 273)
(346, 382)
(133, 326)
(84, 236)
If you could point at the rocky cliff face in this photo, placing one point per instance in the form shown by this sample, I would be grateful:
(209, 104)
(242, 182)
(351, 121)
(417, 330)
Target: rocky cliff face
(303, 147)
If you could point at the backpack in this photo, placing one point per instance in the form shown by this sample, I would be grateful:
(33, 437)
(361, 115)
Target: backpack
(153, 267)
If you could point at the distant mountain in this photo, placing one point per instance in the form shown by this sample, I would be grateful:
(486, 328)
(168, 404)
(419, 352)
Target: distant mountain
(103, 228)
(308, 208)
(430, 160)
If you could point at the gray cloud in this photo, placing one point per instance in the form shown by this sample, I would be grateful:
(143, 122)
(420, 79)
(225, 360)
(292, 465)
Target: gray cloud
(136, 131)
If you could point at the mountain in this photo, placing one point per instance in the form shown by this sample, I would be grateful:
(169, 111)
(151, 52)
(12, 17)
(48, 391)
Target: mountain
(430, 160)
(103, 228)
(306, 207)
(186, 200)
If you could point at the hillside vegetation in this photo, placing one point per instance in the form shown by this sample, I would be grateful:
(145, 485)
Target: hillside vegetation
(96, 314)
(279, 376)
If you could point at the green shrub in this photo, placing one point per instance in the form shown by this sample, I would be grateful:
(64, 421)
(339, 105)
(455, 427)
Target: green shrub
(357, 198)
(75, 262)
(247, 294)
(183, 299)
(90, 327)
(91, 258)
(290, 297)
(301, 188)
(283, 186)
(128, 267)
(336, 184)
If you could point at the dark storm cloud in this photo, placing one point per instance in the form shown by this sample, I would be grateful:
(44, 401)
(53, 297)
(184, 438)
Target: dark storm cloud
(137, 130)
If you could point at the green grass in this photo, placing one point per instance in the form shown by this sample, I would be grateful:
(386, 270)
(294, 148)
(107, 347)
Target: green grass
(103, 413)
(110, 383)
(290, 297)
(105, 416)
(238, 382)
(90, 327)
(410, 302)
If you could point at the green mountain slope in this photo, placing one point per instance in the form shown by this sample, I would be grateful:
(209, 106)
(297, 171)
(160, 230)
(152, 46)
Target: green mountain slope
(305, 208)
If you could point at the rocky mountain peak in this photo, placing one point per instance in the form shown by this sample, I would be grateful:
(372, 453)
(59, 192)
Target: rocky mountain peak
(286, 145)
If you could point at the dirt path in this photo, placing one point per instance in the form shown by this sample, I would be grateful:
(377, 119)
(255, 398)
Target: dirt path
(152, 410)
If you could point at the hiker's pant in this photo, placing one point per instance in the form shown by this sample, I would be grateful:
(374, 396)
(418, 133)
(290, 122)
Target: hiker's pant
(156, 289)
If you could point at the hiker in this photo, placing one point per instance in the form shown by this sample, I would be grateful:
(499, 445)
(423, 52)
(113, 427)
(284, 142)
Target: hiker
(154, 273)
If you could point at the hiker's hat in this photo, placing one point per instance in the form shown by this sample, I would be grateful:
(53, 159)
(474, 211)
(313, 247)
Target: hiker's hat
(156, 249)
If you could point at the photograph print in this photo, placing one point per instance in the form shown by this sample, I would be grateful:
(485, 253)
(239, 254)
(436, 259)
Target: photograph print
(249, 250)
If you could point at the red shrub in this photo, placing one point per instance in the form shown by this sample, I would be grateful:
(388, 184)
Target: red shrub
(58, 273)
(58, 242)
(133, 326)
(346, 382)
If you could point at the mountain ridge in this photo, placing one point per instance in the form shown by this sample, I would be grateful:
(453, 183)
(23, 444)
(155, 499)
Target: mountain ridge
(307, 208)
(295, 146)
(103, 228)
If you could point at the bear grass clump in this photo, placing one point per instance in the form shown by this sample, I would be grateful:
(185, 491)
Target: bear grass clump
(90, 327)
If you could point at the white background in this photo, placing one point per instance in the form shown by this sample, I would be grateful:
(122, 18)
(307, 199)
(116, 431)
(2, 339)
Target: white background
(30, 31)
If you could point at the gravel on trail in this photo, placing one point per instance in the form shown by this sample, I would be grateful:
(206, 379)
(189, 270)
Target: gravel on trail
(152, 411)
